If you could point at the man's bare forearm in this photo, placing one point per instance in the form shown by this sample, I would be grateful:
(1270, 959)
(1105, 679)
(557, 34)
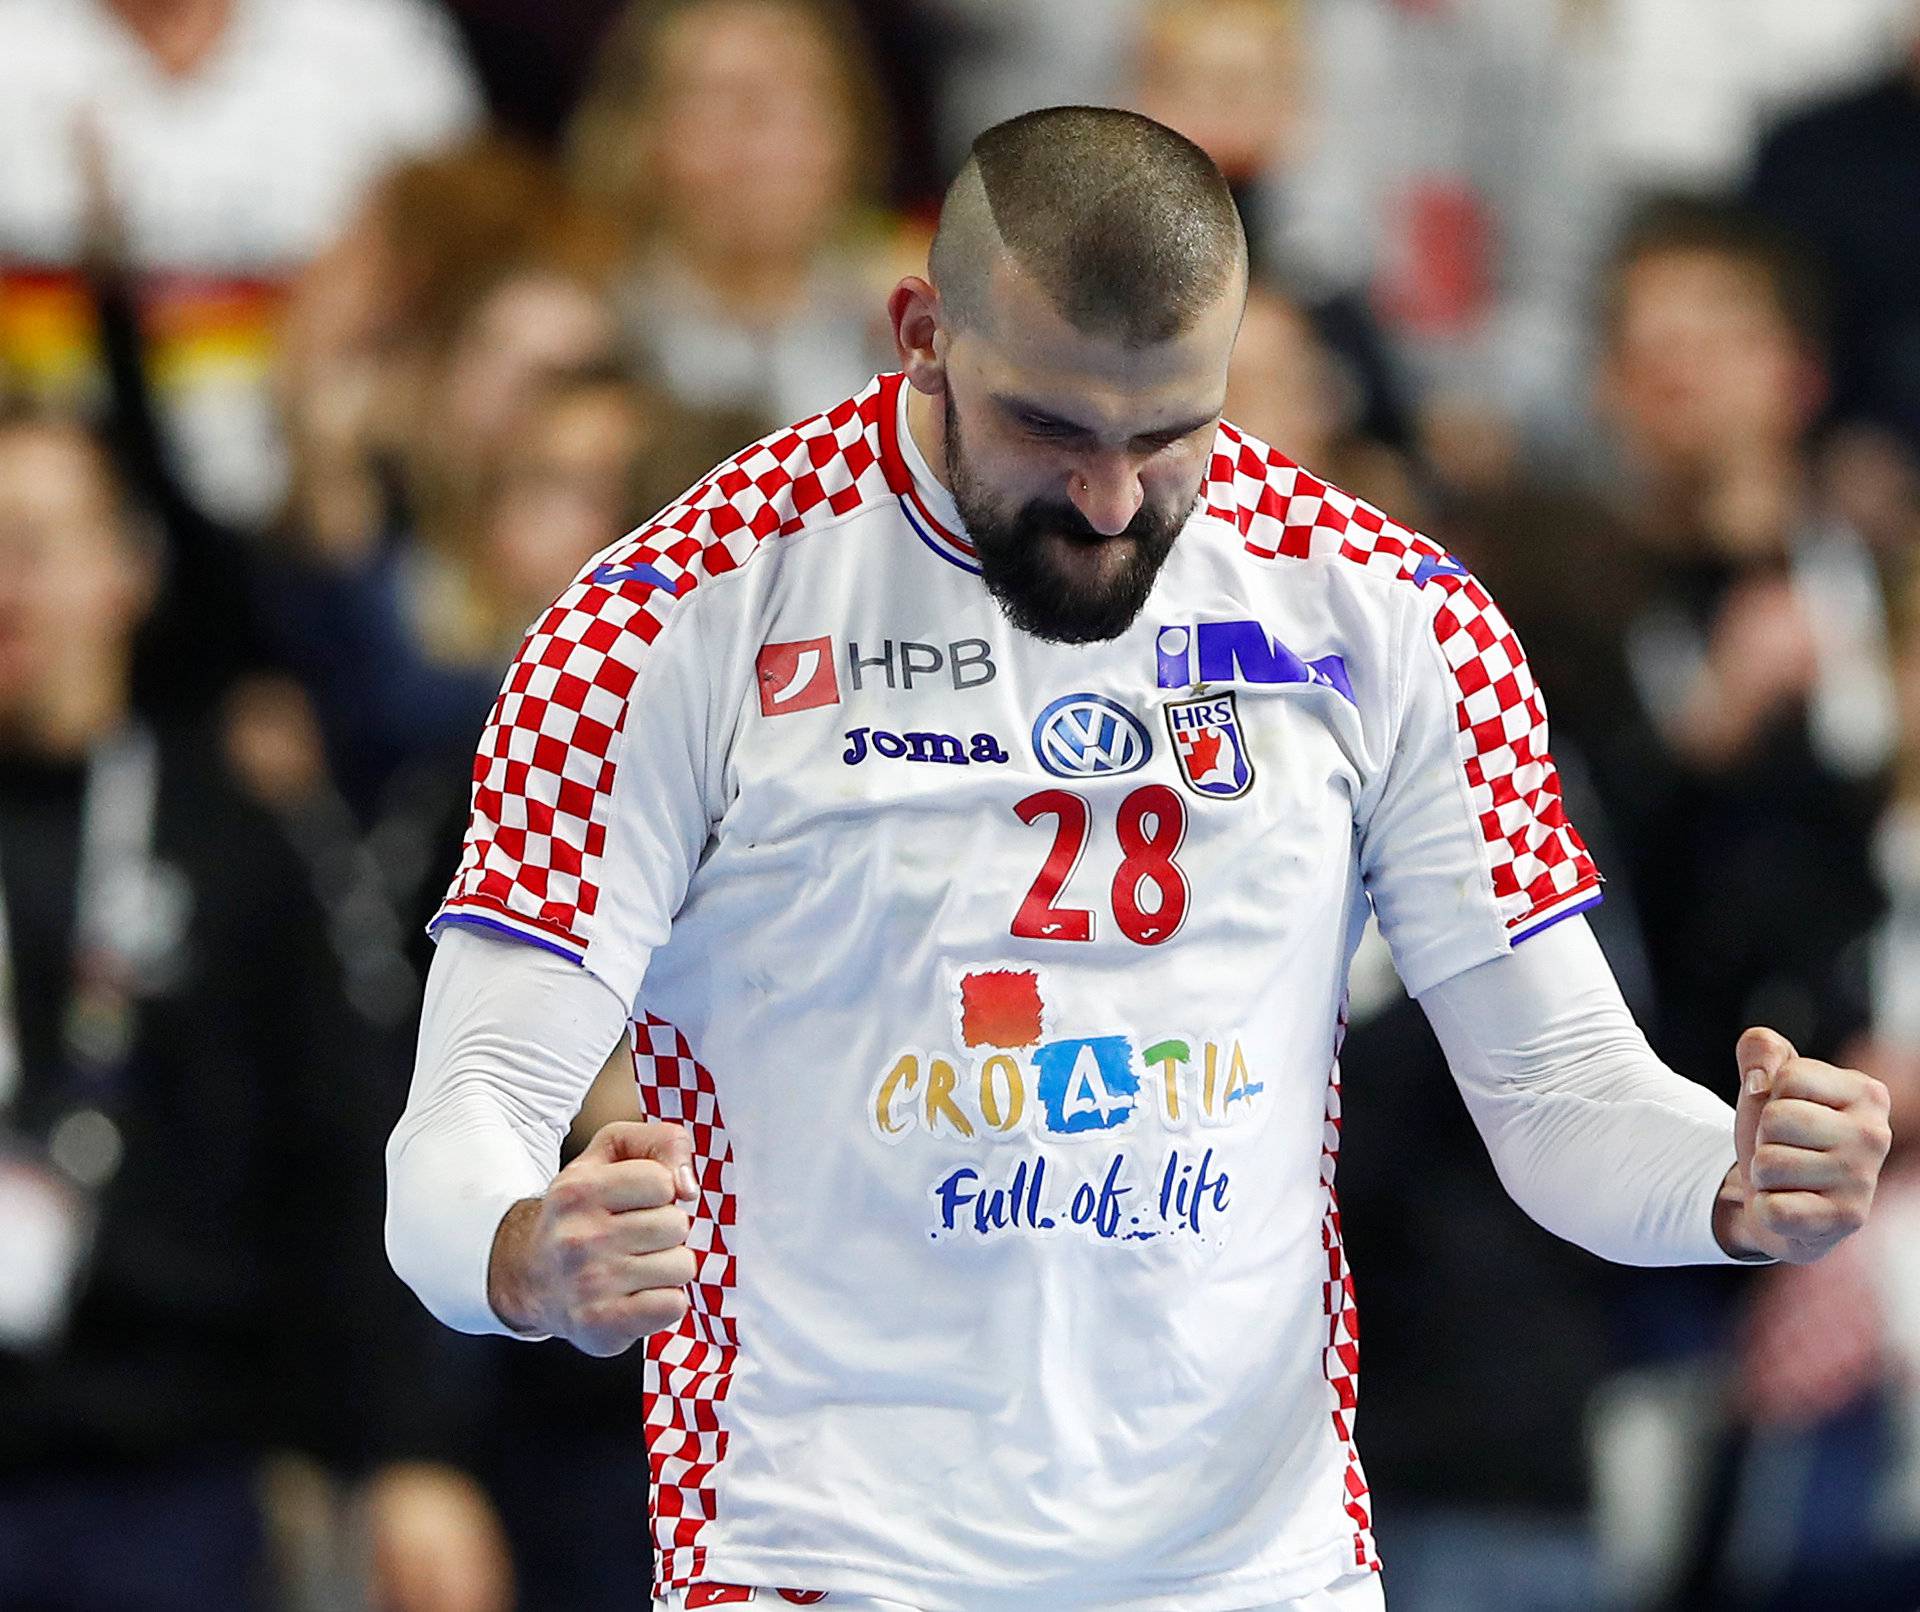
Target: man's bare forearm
(509, 1292)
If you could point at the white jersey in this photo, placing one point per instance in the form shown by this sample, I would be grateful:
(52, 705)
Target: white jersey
(999, 985)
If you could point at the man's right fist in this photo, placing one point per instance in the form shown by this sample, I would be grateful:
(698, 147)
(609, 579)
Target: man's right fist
(602, 1259)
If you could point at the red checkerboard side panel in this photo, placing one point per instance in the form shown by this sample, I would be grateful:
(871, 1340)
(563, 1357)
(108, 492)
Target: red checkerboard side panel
(1538, 860)
(1342, 1352)
(543, 775)
(689, 1369)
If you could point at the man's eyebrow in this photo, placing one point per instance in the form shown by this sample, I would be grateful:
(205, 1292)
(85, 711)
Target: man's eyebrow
(1037, 414)
(1185, 429)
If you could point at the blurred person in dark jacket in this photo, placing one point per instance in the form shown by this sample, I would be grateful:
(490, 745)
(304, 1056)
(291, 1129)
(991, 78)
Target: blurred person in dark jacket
(1719, 632)
(190, 1123)
(1845, 177)
(1822, 1454)
(1716, 638)
(1756, 637)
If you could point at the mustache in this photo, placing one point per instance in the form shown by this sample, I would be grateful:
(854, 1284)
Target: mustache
(1063, 520)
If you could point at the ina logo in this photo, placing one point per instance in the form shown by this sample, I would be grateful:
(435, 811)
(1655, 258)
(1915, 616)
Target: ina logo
(1088, 736)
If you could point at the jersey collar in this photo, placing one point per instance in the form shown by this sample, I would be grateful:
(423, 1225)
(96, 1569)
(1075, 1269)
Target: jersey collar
(928, 507)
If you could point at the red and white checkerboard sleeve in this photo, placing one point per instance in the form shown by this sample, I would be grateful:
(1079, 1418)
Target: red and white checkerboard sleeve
(592, 783)
(1465, 849)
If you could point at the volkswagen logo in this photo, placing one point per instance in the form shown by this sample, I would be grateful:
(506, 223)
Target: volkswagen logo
(1085, 736)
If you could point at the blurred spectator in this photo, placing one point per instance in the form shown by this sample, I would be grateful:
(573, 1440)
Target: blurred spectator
(1236, 77)
(190, 1268)
(592, 456)
(1712, 640)
(382, 618)
(1429, 160)
(738, 141)
(532, 322)
(1757, 675)
(525, 450)
(1292, 387)
(1758, 646)
(1814, 1494)
(236, 154)
(430, 235)
(1845, 177)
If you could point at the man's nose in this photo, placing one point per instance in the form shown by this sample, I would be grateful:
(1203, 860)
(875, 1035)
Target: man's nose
(1106, 489)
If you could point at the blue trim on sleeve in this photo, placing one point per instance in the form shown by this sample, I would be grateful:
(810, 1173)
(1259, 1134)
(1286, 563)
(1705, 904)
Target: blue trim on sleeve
(1592, 901)
(473, 920)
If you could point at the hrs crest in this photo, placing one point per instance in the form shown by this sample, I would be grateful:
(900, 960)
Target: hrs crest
(1210, 746)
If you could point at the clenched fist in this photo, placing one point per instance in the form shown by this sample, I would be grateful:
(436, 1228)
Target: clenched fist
(602, 1259)
(1809, 1140)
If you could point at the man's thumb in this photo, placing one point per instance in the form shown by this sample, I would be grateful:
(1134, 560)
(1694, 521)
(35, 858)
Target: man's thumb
(1760, 1056)
(660, 1140)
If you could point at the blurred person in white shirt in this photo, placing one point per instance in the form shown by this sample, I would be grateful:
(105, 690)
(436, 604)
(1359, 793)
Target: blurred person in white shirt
(235, 155)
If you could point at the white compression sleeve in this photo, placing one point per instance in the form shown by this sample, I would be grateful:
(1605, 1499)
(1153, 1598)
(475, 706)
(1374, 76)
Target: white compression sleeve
(1592, 1135)
(511, 1037)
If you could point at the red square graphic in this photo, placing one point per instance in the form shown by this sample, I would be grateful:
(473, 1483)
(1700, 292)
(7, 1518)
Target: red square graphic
(796, 677)
(1000, 1009)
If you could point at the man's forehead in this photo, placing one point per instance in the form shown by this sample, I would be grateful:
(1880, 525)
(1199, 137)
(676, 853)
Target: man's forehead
(1024, 345)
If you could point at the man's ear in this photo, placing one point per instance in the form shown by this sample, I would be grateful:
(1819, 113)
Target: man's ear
(919, 337)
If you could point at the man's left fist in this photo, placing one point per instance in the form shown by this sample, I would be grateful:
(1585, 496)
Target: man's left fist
(1809, 1140)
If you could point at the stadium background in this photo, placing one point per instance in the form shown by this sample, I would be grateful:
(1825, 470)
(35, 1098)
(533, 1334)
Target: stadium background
(386, 313)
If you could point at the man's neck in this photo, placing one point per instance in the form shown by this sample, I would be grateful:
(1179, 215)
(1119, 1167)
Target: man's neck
(927, 426)
(180, 35)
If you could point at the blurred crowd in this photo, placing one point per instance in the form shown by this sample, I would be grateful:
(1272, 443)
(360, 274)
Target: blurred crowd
(335, 334)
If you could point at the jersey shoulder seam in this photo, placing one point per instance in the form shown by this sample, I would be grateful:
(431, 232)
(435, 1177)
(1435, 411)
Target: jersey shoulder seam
(1283, 511)
(771, 489)
(814, 476)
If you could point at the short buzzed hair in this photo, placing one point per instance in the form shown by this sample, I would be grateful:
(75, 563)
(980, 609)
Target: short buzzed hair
(1127, 226)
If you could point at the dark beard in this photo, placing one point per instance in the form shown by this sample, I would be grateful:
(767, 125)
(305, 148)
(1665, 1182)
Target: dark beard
(1036, 595)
